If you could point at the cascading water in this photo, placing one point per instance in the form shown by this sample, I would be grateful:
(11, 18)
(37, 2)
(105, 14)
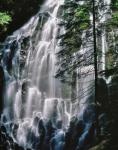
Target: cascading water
(36, 81)
(31, 90)
(104, 14)
(34, 105)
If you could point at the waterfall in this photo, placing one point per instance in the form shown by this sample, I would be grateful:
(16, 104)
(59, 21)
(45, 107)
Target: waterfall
(104, 14)
(30, 74)
(29, 62)
(34, 101)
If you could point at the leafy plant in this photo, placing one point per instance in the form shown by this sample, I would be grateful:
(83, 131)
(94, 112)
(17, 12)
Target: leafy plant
(5, 18)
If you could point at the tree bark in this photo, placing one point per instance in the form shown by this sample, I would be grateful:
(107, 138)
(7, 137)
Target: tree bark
(95, 69)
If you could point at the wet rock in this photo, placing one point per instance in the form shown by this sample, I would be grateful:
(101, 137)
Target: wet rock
(113, 88)
(91, 135)
(41, 128)
(25, 44)
(54, 112)
(1, 88)
(6, 142)
(29, 135)
(36, 120)
(89, 114)
(59, 124)
(57, 142)
(11, 54)
(88, 138)
(49, 134)
(42, 133)
(103, 99)
(14, 130)
(73, 134)
(102, 94)
(113, 108)
(3, 129)
(4, 119)
(17, 147)
(25, 86)
(103, 123)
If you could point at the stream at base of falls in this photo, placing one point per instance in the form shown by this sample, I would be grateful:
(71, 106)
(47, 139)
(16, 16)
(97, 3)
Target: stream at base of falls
(37, 113)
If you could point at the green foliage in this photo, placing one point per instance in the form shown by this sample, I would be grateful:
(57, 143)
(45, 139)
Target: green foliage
(5, 18)
(82, 13)
(113, 22)
(76, 19)
(84, 26)
(114, 4)
(115, 17)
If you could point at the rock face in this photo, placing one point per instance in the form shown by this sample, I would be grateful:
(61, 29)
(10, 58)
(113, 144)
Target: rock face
(73, 134)
(9, 58)
(49, 137)
(1, 88)
(113, 107)
(102, 92)
(6, 142)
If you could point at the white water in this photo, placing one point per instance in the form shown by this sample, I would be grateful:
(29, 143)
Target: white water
(104, 15)
(33, 91)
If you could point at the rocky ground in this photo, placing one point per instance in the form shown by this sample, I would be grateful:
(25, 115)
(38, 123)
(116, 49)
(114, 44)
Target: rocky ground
(77, 136)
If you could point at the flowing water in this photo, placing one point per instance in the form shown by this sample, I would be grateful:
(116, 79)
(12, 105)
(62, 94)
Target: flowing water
(105, 14)
(31, 85)
(32, 93)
